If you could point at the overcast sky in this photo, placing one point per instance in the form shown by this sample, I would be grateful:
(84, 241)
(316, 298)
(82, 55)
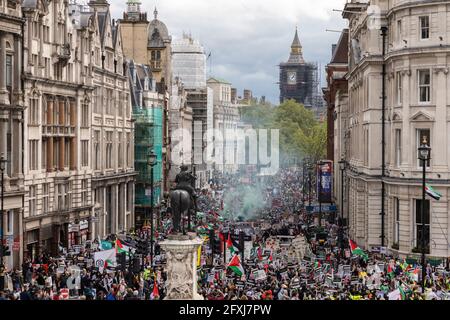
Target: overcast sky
(249, 38)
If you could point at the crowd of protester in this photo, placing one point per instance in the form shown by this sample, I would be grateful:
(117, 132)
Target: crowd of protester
(323, 271)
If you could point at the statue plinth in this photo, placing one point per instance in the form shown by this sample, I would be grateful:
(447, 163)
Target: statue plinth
(181, 253)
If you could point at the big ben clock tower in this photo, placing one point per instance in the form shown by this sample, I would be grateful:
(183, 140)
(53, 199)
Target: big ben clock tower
(297, 76)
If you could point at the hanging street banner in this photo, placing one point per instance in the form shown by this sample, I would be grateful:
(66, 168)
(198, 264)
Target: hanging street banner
(325, 208)
(325, 181)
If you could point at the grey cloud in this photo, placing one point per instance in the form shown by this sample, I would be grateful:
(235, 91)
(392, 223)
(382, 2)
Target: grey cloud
(247, 38)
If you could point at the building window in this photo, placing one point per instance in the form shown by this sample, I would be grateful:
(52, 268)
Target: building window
(9, 70)
(67, 113)
(109, 102)
(46, 34)
(44, 154)
(32, 200)
(45, 198)
(419, 233)
(47, 67)
(44, 112)
(399, 88)
(33, 154)
(421, 134)
(84, 192)
(68, 196)
(155, 59)
(56, 154)
(399, 30)
(424, 27)
(60, 193)
(396, 220)
(127, 103)
(128, 154)
(119, 150)
(109, 146)
(33, 111)
(85, 115)
(84, 153)
(424, 80)
(69, 71)
(96, 150)
(120, 108)
(398, 147)
(97, 100)
(35, 29)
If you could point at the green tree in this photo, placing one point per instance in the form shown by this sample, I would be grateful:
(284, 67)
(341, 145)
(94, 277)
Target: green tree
(301, 135)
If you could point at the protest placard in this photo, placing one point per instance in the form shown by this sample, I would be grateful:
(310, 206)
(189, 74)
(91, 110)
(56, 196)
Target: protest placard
(260, 275)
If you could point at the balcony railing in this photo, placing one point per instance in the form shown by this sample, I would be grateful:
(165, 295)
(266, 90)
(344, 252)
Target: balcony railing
(155, 64)
(58, 130)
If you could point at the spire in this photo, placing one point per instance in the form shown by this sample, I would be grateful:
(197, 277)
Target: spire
(155, 13)
(296, 42)
(296, 50)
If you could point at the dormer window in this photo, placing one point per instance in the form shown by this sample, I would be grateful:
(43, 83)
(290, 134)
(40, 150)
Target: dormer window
(155, 61)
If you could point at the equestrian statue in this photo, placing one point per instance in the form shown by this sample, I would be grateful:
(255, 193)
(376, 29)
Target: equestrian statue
(183, 199)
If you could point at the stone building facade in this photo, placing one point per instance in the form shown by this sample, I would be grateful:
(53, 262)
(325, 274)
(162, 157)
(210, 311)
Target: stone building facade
(226, 119)
(58, 93)
(112, 134)
(78, 173)
(149, 43)
(11, 126)
(417, 85)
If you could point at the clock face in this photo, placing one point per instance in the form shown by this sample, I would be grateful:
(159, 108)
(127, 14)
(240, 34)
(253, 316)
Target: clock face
(292, 77)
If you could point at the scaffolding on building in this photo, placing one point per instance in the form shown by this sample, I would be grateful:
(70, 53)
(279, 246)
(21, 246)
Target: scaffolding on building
(148, 137)
(189, 62)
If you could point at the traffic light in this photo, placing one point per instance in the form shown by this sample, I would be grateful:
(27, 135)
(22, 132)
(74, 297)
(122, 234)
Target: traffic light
(5, 251)
(121, 260)
(218, 246)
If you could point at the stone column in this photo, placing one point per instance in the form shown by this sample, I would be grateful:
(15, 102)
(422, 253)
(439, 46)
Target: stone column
(41, 42)
(49, 111)
(29, 39)
(181, 252)
(17, 69)
(115, 208)
(3, 92)
(62, 115)
(439, 137)
(3, 132)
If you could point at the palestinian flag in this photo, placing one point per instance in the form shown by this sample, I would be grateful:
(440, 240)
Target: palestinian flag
(357, 250)
(104, 259)
(235, 265)
(260, 253)
(390, 271)
(432, 193)
(121, 248)
(231, 248)
(405, 266)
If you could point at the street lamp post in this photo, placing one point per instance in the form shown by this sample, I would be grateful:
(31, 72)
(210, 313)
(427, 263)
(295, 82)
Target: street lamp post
(342, 164)
(151, 162)
(2, 169)
(424, 156)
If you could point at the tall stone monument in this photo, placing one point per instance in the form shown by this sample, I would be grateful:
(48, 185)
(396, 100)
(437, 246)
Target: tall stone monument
(181, 253)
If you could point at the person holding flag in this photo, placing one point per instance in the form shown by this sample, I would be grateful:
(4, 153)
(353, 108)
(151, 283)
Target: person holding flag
(236, 266)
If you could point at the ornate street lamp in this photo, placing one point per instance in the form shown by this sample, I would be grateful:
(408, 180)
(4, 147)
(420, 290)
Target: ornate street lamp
(424, 156)
(151, 162)
(342, 166)
(3, 162)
